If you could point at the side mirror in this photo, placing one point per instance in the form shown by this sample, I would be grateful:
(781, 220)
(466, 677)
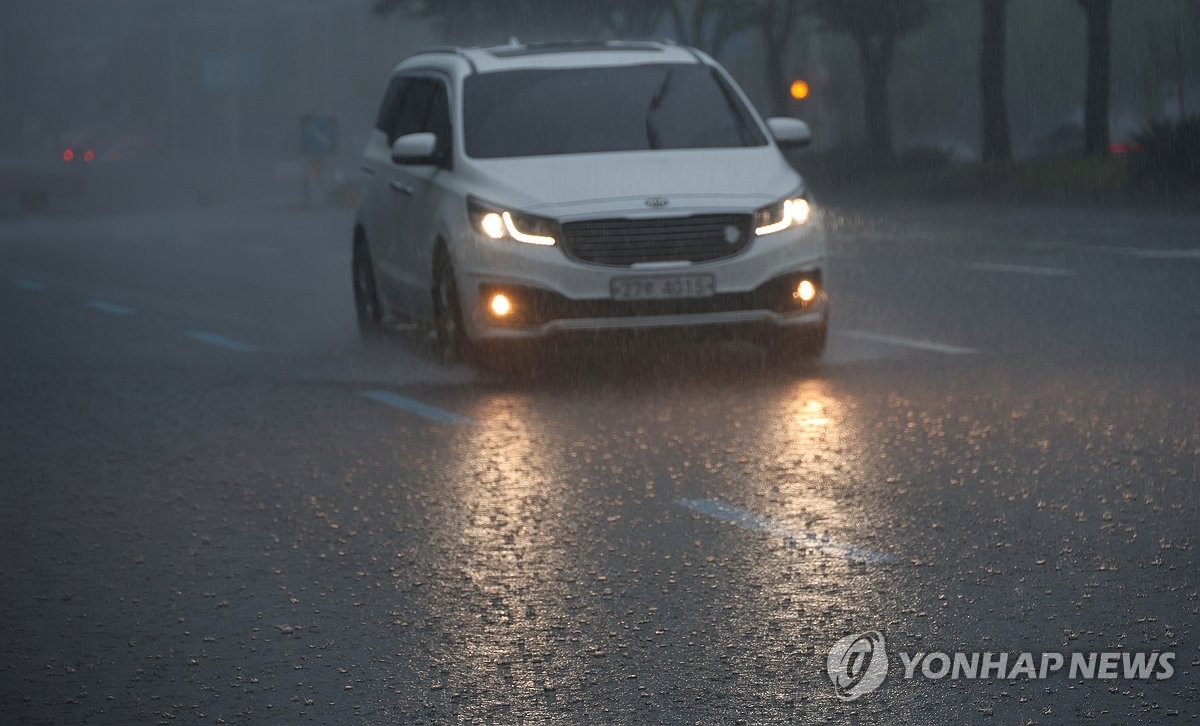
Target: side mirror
(415, 149)
(790, 133)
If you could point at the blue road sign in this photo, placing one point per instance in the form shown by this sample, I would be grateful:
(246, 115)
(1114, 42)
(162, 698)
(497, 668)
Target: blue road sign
(318, 134)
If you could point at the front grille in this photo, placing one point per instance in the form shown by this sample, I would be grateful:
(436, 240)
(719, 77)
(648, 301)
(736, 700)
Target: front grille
(628, 241)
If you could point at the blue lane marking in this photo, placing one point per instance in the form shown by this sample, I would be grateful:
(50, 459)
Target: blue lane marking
(112, 308)
(423, 410)
(221, 341)
(791, 536)
(30, 285)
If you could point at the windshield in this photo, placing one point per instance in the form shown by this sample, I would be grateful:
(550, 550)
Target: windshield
(585, 110)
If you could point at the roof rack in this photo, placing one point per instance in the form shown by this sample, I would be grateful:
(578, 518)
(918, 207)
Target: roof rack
(450, 50)
(561, 46)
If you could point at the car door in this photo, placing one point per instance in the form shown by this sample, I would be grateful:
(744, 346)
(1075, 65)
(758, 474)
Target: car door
(377, 169)
(428, 184)
(402, 182)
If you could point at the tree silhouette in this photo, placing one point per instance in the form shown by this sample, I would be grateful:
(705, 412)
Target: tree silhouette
(776, 21)
(484, 21)
(997, 142)
(709, 24)
(1099, 72)
(875, 27)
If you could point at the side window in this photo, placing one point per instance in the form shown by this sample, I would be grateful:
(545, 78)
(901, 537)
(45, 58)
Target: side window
(438, 120)
(391, 104)
(414, 108)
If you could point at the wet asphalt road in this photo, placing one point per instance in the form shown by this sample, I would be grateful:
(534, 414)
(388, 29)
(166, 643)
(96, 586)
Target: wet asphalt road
(220, 507)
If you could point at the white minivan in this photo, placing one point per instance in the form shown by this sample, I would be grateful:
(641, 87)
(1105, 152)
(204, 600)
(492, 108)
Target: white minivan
(528, 191)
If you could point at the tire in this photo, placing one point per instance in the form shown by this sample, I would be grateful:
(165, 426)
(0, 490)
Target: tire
(367, 306)
(797, 351)
(453, 345)
(507, 359)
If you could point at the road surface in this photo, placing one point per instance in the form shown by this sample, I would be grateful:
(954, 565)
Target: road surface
(220, 507)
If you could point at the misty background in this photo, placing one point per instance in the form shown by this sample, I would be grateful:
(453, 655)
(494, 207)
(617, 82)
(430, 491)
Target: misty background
(217, 89)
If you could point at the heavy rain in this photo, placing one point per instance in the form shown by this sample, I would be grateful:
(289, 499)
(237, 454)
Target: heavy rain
(599, 361)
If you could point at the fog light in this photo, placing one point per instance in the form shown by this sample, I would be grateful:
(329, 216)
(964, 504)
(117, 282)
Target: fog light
(500, 305)
(805, 292)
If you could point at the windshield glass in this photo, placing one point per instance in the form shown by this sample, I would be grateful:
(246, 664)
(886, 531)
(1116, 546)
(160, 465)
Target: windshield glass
(584, 110)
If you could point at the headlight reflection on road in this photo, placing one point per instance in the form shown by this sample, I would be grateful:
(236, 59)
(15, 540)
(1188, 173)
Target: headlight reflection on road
(812, 463)
(810, 417)
(801, 466)
(504, 488)
(509, 527)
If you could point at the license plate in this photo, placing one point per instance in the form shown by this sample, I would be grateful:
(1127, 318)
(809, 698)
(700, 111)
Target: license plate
(664, 287)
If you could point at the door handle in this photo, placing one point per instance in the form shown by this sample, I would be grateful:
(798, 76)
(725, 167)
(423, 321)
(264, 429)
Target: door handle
(367, 170)
(402, 188)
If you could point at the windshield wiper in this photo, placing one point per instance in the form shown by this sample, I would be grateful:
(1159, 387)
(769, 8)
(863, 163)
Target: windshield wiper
(659, 95)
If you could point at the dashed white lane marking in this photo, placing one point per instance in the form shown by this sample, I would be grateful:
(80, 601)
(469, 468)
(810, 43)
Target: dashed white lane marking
(423, 410)
(1184, 254)
(1020, 269)
(792, 536)
(111, 308)
(221, 341)
(31, 285)
(925, 345)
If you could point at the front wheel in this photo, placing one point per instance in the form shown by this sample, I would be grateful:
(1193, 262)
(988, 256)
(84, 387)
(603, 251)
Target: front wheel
(452, 342)
(366, 297)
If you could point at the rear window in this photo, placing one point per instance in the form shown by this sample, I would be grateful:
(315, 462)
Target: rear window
(541, 112)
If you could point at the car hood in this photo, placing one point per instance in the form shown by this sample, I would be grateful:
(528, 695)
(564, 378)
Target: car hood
(637, 183)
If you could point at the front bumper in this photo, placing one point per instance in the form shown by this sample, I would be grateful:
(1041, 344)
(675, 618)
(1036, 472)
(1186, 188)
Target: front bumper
(552, 293)
(536, 312)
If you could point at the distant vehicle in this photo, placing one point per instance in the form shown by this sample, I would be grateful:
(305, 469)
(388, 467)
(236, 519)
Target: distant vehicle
(1066, 139)
(525, 191)
(33, 180)
(59, 167)
(86, 148)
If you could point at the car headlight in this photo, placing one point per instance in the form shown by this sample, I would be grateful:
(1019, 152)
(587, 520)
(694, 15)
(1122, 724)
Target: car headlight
(496, 222)
(791, 212)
